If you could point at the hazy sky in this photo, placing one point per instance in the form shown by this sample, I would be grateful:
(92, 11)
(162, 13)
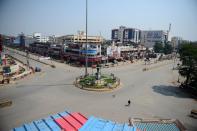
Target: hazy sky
(61, 17)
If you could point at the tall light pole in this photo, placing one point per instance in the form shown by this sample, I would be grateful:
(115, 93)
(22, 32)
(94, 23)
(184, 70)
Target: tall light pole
(178, 73)
(27, 57)
(86, 57)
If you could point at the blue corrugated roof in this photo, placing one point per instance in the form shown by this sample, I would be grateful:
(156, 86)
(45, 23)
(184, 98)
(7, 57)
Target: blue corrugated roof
(46, 124)
(19, 129)
(41, 125)
(30, 127)
(51, 124)
(98, 124)
(109, 126)
(94, 124)
(56, 116)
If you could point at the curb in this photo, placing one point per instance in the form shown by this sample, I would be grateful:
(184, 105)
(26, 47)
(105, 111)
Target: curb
(22, 76)
(25, 74)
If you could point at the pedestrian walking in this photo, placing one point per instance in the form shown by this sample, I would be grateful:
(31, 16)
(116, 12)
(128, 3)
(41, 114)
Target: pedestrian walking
(129, 102)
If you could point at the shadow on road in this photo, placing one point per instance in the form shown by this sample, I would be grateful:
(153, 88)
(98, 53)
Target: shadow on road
(171, 91)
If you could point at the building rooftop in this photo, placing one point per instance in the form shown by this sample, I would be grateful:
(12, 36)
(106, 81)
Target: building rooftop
(76, 121)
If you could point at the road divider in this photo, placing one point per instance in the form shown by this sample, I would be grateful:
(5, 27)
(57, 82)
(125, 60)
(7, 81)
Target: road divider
(22, 75)
(25, 73)
(31, 58)
(5, 102)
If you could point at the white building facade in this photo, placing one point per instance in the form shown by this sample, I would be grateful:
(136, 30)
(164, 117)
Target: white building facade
(40, 38)
(176, 41)
(150, 37)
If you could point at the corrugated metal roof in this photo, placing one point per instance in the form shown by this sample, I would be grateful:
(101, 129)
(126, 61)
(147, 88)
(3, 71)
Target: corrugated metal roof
(76, 121)
(157, 126)
(73, 121)
(56, 122)
(98, 124)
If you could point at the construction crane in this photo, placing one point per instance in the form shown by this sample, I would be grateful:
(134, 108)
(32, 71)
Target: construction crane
(168, 31)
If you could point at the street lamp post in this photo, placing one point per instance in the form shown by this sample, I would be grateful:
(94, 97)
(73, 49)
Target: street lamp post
(178, 73)
(86, 58)
(174, 61)
(27, 57)
(178, 79)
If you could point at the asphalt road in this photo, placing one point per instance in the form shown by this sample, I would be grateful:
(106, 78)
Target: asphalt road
(152, 95)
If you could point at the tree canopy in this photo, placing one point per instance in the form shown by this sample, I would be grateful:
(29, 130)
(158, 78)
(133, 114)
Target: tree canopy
(188, 68)
(160, 48)
(167, 48)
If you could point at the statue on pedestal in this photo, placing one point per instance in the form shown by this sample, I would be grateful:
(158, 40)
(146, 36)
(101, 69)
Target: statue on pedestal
(98, 73)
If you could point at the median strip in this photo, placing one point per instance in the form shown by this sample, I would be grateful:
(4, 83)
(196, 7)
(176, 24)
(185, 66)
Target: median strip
(33, 59)
(5, 102)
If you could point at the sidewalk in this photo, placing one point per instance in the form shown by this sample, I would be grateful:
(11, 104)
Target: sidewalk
(27, 71)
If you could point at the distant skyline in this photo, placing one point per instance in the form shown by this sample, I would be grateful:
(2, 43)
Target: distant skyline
(62, 17)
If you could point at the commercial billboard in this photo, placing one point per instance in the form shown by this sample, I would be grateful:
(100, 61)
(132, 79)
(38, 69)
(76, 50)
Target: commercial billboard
(90, 52)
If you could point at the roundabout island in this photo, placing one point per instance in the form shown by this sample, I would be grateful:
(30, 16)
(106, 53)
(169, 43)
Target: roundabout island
(98, 81)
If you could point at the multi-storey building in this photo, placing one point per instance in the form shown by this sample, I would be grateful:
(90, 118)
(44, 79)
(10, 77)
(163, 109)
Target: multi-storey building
(176, 41)
(52, 39)
(150, 37)
(75, 50)
(40, 38)
(40, 48)
(19, 41)
(125, 52)
(56, 51)
(126, 35)
(29, 40)
(23, 41)
(80, 37)
(37, 36)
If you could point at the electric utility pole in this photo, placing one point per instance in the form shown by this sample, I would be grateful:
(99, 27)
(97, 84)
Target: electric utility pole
(86, 57)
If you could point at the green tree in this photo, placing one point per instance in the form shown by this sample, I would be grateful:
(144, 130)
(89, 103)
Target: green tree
(168, 48)
(158, 47)
(188, 68)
